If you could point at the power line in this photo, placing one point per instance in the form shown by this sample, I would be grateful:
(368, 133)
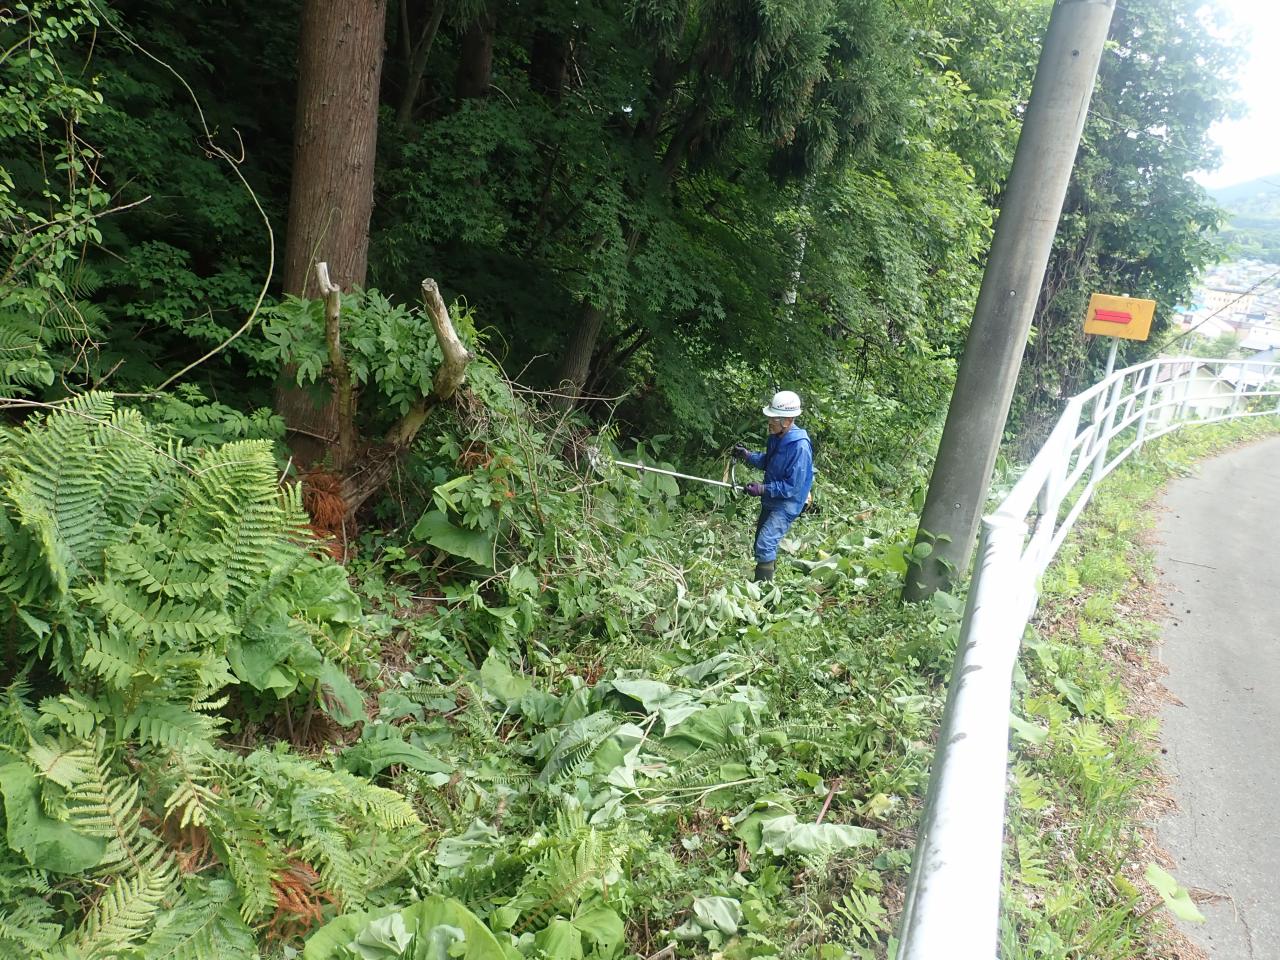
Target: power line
(1265, 280)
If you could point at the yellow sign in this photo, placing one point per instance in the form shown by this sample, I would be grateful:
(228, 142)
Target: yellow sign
(1124, 317)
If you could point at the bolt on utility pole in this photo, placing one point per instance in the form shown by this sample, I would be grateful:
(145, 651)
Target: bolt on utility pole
(1011, 284)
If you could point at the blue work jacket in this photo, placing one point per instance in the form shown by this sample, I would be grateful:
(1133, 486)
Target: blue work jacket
(788, 470)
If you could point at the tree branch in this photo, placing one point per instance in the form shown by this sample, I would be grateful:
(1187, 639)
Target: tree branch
(341, 373)
(357, 487)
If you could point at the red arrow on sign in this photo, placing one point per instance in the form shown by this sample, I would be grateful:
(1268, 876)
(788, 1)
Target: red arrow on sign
(1114, 316)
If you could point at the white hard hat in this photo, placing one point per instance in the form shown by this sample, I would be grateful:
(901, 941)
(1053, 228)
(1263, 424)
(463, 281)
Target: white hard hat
(784, 404)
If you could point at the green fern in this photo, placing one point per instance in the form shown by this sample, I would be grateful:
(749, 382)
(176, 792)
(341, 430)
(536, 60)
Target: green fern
(122, 915)
(103, 805)
(205, 925)
(860, 915)
(252, 856)
(147, 580)
(23, 361)
(580, 741)
(576, 857)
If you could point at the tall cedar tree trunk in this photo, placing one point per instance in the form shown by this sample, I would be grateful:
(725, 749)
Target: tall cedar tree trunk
(475, 60)
(340, 53)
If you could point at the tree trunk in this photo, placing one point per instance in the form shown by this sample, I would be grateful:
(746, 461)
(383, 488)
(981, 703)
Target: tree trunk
(475, 60)
(549, 63)
(576, 365)
(419, 55)
(335, 133)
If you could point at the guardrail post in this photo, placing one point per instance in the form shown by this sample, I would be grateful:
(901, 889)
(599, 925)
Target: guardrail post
(1152, 378)
(1239, 388)
(1180, 415)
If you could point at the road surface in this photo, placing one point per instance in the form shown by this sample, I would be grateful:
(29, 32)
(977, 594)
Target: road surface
(1220, 557)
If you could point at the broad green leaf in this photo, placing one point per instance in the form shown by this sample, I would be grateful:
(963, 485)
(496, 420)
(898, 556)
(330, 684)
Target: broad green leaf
(371, 757)
(1073, 694)
(1026, 730)
(383, 939)
(480, 839)
(718, 913)
(497, 678)
(603, 927)
(650, 693)
(441, 928)
(560, 939)
(341, 698)
(474, 545)
(46, 843)
(786, 835)
(1175, 896)
(749, 823)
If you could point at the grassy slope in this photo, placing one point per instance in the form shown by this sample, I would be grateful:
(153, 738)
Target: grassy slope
(647, 714)
(1086, 778)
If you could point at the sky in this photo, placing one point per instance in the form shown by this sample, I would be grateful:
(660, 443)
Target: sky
(1251, 145)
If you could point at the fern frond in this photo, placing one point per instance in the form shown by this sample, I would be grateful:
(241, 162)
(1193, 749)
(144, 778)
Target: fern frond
(150, 562)
(65, 764)
(243, 512)
(26, 926)
(251, 856)
(23, 361)
(206, 926)
(169, 725)
(560, 879)
(163, 621)
(76, 713)
(112, 656)
(62, 485)
(103, 805)
(18, 721)
(54, 487)
(580, 741)
(122, 915)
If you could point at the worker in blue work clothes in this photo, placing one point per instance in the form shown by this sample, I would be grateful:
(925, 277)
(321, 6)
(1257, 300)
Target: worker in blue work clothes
(787, 462)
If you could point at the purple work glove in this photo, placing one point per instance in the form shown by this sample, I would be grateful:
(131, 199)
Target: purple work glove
(740, 453)
(754, 489)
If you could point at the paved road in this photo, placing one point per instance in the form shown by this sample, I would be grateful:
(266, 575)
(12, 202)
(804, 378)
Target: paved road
(1221, 563)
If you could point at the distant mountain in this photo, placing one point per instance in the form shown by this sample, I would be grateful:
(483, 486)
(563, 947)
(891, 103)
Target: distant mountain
(1230, 196)
(1253, 229)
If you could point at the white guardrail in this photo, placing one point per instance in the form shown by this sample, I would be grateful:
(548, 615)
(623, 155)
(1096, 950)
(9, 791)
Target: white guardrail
(953, 898)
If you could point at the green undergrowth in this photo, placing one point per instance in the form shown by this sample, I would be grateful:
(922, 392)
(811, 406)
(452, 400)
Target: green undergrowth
(1078, 880)
(540, 713)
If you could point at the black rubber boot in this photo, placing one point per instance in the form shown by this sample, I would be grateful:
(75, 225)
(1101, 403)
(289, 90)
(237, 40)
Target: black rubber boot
(764, 571)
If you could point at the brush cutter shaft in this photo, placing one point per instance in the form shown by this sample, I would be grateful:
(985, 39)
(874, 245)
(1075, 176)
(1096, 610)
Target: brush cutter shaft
(643, 468)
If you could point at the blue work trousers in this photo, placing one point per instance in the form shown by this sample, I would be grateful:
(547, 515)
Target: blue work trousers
(770, 529)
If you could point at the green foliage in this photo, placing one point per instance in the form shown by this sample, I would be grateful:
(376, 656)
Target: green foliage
(141, 580)
(50, 198)
(588, 738)
(1252, 229)
(150, 578)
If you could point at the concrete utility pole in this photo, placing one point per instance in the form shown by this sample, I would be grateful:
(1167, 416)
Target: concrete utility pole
(1010, 287)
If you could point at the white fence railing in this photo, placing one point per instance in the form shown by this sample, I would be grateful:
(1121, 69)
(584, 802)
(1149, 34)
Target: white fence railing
(953, 898)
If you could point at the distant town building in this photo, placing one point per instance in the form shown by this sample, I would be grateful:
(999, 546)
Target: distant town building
(1228, 300)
